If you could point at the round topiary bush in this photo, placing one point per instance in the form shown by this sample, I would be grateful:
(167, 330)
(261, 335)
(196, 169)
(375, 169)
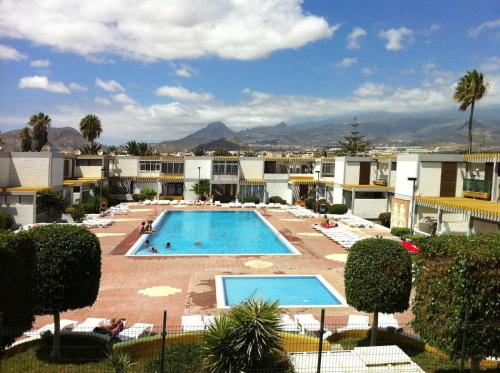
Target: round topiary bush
(250, 199)
(68, 269)
(310, 203)
(385, 219)
(378, 278)
(6, 221)
(277, 199)
(400, 231)
(338, 209)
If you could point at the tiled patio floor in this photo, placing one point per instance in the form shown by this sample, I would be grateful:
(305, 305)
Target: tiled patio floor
(125, 279)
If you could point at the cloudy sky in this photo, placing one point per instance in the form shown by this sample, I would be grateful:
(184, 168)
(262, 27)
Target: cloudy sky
(160, 69)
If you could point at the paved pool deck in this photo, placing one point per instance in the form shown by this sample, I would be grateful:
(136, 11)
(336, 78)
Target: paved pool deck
(140, 289)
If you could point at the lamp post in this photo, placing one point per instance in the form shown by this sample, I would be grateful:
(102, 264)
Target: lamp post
(100, 189)
(413, 180)
(317, 191)
(199, 171)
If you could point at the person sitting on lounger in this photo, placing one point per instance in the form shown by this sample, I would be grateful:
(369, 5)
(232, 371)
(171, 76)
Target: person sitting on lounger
(108, 326)
(326, 223)
(120, 325)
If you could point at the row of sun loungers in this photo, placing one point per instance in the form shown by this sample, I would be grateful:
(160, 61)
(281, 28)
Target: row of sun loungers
(352, 221)
(345, 238)
(135, 331)
(167, 202)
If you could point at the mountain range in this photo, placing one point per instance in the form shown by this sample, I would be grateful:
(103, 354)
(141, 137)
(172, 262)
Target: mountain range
(435, 131)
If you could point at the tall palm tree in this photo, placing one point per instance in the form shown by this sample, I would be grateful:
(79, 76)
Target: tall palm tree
(470, 88)
(25, 137)
(137, 148)
(40, 123)
(90, 127)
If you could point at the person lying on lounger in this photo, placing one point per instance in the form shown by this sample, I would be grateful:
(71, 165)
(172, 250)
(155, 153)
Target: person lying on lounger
(109, 326)
(326, 223)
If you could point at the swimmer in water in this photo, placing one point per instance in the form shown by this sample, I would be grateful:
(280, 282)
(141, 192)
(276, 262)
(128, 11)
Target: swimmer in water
(198, 243)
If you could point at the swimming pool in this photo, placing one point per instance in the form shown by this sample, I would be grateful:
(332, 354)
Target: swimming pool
(212, 233)
(290, 290)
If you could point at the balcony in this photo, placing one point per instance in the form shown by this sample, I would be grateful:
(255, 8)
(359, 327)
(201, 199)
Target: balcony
(474, 188)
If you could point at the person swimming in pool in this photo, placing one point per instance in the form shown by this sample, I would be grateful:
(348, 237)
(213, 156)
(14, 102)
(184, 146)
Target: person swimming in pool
(198, 243)
(153, 250)
(146, 243)
(167, 245)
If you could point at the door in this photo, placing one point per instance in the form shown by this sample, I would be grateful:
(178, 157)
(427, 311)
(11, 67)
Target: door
(448, 179)
(364, 173)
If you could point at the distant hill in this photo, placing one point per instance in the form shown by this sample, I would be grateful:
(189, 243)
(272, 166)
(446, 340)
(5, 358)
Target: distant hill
(60, 138)
(222, 144)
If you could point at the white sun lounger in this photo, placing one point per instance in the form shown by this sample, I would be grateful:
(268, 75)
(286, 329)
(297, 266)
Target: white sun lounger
(307, 322)
(288, 325)
(192, 323)
(64, 325)
(355, 322)
(136, 331)
(217, 203)
(209, 320)
(89, 325)
(387, 320)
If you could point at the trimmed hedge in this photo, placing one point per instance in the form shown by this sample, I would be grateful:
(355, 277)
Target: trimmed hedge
(147, 193)
(400, 231)
(310, 203)
(385, 219)
(68, 266)
(17, 283)
(277, 199)
(456, 274)
(338, 209)
(6, 221)
(250, 199)
(377, 276)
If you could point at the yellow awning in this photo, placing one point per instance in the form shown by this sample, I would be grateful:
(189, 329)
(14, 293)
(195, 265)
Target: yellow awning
(25, 189)
(483, 209)
(367, 186)
(252, 181)
(482, 157)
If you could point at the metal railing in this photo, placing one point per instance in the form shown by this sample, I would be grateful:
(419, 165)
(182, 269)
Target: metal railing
(316, 347)
(475, 185)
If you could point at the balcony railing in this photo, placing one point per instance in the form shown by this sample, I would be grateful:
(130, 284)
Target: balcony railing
(474, 185)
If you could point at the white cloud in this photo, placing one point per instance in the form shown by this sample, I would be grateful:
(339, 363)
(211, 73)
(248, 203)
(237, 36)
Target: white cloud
(354, 37)
(151, 30)
(42, 82)
(78, 87)
(109, 85)
(40, 63)
(181, 93)
(490, 64)
(122, 98)
(368, 70)
(397, 39)
(184, 70)
(346, 62)
(102, 101)
(431, 29)
(10, 54)
(370, 89)
(485, 26)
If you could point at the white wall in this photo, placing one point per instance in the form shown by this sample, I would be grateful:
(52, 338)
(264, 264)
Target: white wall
(57, 174)
(338, 192)
(429, 180)
(453, 223)
(281, 189)
(340, 170)
(23, 212)
(407, 166)
(87, 171)
(191, 165)
(124, 166)
(4, 170)
(36, 169)
(252, 168)
(369, 208)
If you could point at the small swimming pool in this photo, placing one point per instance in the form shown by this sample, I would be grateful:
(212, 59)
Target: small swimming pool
(290, 290)
(212, 233)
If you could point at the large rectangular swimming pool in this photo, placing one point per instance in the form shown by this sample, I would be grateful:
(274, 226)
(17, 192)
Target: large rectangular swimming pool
(289, 290)
(212, 233)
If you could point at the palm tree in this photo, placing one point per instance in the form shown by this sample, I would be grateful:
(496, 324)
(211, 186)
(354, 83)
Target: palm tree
(40, 123)
(90, 148)
(90, 127)
(470, 88)
(198, 151)
(25, 137)
(137, 148)
(49, 203)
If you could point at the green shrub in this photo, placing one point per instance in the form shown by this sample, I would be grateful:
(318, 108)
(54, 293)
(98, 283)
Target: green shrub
(78, 214)
(277, 199)
(147, 193)
(68, 269)
(310, 203)
(6, 221)
(17, 283)
(179, 358)
(91, 205)
(385, 219)
(250, 199)
(400, 231)
(378, 277)
(412, 237)
(165, 198)
(458, 277)
(337, 209)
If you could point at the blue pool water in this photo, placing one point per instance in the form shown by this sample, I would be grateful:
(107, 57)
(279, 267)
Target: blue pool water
(220, 232)
(288, 290)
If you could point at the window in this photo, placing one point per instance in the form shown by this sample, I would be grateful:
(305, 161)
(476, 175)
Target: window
(269, 167)
(150, 166)
(172, 168)
(76, 189)
(328, 169)
(88, 162)
(175, 189)
(225, 168)
(393, 166)
(67, 168)
(370, 195)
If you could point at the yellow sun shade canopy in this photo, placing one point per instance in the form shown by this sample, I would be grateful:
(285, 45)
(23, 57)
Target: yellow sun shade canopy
(482, 209)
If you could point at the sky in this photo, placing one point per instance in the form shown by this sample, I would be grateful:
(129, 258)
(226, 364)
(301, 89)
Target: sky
(156, 70)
